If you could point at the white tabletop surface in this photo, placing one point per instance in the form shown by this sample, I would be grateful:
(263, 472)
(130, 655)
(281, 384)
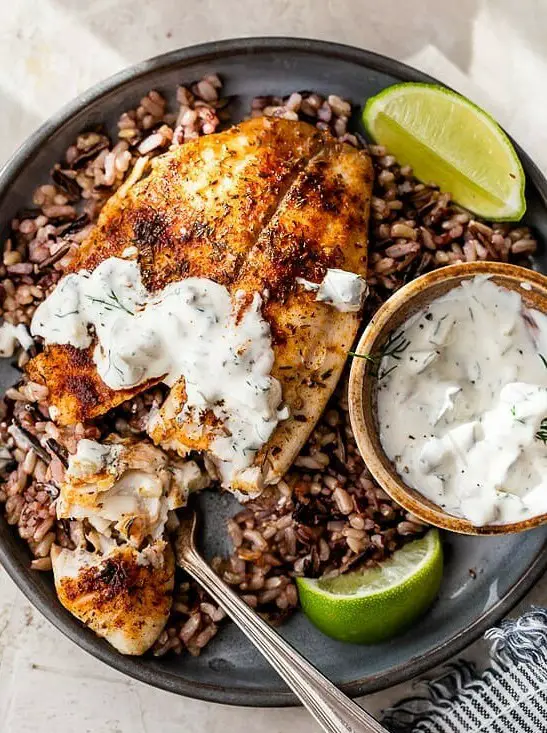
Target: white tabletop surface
(51, 50)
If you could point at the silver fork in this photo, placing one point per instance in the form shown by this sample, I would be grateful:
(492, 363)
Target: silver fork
(334, 711)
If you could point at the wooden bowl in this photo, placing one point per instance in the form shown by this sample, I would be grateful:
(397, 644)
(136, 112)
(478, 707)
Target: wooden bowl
(362, 401)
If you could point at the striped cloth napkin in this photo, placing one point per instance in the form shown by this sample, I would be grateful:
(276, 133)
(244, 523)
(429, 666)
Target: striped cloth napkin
(510, 696)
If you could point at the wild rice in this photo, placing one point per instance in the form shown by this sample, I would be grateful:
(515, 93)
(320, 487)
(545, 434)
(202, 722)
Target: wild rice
(327, 515)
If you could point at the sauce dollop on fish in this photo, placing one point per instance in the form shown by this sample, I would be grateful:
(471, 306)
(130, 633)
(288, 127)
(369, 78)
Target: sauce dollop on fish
(192, 328)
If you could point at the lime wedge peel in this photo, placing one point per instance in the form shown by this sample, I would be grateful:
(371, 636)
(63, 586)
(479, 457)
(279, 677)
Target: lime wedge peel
(374, 604)
(450, 141)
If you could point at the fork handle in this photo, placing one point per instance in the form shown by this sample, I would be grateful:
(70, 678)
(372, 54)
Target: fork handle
(334, 711)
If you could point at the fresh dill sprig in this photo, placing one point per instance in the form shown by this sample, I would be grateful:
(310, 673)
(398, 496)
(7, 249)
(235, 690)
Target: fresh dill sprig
(108, 305)
(514, 414)
(542, 432)
(543, 359)
(395, 346)
(119, 303)
(114, 302)
(387, 372)
(368, 357)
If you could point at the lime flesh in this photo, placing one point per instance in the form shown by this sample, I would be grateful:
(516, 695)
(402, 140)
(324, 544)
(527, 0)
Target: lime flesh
(374, 604)
(448, 140)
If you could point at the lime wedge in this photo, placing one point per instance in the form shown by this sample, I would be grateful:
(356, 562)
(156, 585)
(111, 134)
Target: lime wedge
(448, 140)
(371, 605)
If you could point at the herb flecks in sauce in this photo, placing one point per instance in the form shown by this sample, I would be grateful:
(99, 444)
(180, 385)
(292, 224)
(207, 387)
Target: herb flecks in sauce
(514, 414)
(474, 393)
(394, 347)
(192, 330)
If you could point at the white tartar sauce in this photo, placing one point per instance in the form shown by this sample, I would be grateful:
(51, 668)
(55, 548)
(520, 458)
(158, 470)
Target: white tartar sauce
(10, 335)
(462, 403)
(344, 290)
(192, 329)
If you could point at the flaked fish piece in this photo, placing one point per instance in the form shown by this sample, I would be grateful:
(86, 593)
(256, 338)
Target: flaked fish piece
(124, 596)
(127, 488)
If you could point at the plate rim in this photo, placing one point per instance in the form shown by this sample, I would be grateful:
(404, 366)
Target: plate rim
(20, 574)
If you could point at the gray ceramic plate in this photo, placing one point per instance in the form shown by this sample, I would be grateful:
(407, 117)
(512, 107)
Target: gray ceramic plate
(484, 577)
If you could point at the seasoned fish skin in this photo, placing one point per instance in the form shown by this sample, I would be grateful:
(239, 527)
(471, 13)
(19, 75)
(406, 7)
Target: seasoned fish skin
(327, 207)
(321, 222)
(120, 598)
(203, 205)
(76, 391)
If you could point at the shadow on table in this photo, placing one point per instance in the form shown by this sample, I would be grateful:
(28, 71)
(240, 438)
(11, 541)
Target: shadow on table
(392, 27)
